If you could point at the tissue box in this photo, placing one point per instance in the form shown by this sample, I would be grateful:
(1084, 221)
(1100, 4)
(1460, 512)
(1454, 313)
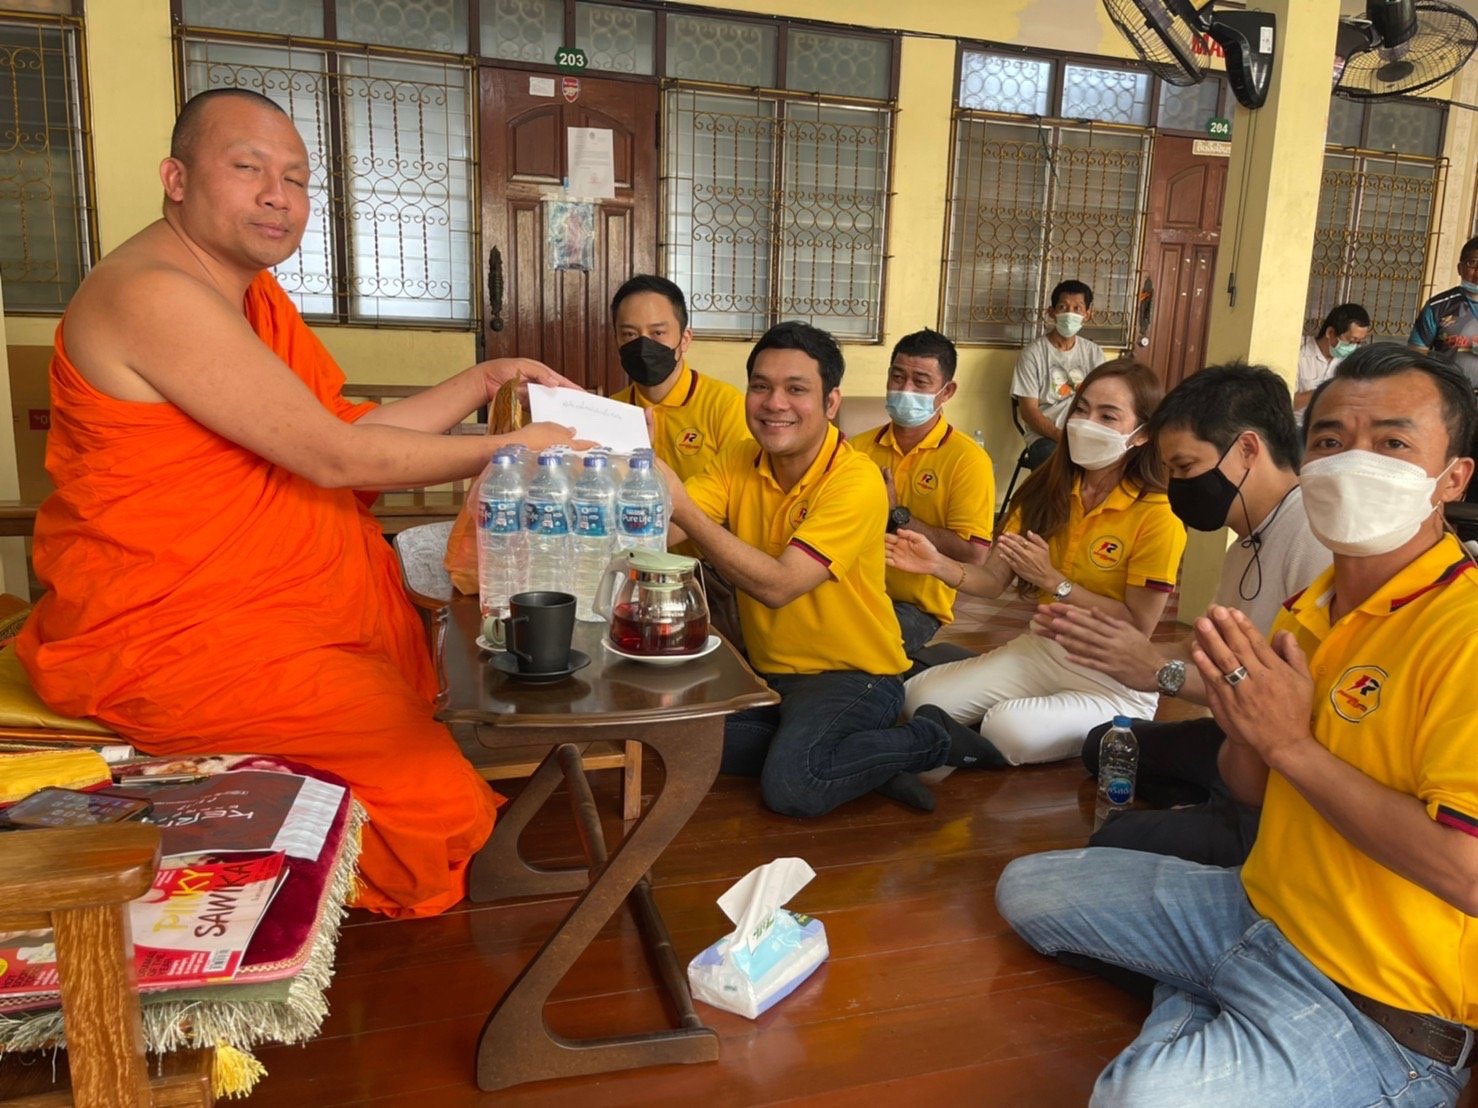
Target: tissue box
(753, 981)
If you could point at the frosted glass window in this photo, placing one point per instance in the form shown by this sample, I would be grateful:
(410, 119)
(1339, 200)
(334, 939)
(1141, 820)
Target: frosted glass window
(840, 65)
(1406, 127)
(522, 30)
(417, 24)
(1005, 83)
(1188, 107)
(278, 17)
(1107, 95)
(723, 51)
(1345, 118)
(618, 40)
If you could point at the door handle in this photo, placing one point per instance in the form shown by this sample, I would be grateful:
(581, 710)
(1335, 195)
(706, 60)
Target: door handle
(1146, 312)
(495, 289)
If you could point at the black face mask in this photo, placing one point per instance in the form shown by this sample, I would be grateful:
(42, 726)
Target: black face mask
(1204, 501)
(647, 362)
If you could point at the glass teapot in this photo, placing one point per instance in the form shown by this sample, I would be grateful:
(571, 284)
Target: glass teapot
(655, 603)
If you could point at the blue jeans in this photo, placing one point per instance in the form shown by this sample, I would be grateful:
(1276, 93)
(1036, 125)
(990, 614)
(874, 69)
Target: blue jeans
(833, 736)
(917, 625)
(1240, 1017)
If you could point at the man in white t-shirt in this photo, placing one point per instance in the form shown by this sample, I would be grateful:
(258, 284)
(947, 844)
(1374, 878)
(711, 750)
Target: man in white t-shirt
(1051, 368)
(1340, 335)
(1231, 447)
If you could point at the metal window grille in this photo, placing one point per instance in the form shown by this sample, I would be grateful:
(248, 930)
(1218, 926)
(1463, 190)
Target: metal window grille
(775, 209)
(1033, 203)
(46, 211)
(390, 237)
(1376, 229)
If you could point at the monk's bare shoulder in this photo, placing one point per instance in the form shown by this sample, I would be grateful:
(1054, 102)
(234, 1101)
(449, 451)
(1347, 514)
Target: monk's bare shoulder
(125, 322)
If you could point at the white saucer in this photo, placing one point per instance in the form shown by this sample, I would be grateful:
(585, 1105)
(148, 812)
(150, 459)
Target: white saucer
(664, 659)
(483, 644)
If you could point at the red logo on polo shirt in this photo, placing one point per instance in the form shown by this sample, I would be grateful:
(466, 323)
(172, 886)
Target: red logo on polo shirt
(798, 514)
(690, 441)
(1107, 552)
(1357, 693)
(926, 482)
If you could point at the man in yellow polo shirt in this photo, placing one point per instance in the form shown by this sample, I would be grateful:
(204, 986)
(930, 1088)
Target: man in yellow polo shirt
(796, 521)
(940, 483)
(1339, 965)
(694, 416)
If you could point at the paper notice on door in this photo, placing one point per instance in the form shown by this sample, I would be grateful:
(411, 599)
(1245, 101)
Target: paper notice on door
(590, 157)
(541, 86)
(612, 424)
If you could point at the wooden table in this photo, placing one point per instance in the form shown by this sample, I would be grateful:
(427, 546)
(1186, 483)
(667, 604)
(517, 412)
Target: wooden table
(677, 712)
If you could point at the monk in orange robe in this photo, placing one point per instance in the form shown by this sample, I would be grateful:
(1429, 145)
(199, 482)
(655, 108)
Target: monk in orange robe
(214, 584)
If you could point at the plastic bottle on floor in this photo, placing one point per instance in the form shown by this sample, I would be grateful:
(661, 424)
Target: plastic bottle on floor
(1118, 765)
(546, 516)
(642, 505)
(594, 510)
(502, 545)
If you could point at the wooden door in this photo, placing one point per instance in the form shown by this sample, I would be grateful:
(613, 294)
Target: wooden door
(1181, 234)
(561, 317)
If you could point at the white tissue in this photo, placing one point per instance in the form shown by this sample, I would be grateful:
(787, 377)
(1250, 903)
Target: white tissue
(752, 900)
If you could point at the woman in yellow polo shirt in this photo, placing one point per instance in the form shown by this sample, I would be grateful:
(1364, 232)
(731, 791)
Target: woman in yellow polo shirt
(1091, 527)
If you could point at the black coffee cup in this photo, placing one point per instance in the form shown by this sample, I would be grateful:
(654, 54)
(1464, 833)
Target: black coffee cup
(540, 626)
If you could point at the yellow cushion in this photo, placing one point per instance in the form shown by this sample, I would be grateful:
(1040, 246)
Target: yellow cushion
(21, 707)
(23, 773)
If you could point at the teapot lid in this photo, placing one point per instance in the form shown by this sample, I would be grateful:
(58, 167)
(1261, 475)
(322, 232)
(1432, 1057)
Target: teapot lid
(644, 560)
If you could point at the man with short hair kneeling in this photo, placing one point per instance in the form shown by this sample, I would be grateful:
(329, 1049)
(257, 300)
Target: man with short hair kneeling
(796, 523)
(1337, 966)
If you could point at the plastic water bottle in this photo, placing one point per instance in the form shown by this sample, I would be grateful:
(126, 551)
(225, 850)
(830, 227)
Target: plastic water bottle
(641, 505)
(594, 504)
(502, 545)
(1118, 765)
(546, 518)
(979, 436)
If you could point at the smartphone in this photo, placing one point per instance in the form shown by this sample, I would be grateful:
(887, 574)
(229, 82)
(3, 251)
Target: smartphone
(54, 807)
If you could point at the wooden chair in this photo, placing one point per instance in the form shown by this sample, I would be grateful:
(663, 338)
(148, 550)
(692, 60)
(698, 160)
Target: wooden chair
(78, 882)
(421, 551)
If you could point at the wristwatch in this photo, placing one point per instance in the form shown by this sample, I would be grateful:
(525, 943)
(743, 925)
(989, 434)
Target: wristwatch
(899, 517)
(1170, 677)
(1062, 590)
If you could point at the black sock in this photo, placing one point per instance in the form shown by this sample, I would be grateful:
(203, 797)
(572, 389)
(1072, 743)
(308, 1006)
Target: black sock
(906, 788)
(967, 747)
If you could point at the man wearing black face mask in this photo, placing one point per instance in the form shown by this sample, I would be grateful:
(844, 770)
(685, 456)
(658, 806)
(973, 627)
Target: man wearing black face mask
(695, 416)
(1229, 442)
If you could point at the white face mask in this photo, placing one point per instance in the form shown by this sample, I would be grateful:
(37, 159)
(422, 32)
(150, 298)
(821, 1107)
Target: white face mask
(1364, 504)
(1068, 324)
(1094, 445)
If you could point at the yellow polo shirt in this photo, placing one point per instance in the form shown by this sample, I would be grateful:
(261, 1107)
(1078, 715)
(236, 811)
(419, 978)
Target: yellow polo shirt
(836, 514)
(1121, 543)
(1393, 697)
(945, 481)
(697, 418)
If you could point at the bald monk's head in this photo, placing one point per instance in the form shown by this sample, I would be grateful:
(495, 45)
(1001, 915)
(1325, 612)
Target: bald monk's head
(236, 179)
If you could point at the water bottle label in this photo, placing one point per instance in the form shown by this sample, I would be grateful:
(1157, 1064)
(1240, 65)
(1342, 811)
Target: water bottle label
(1120, 790)
(642, 520)
(501, 517)
(591, 521)
(545, 519)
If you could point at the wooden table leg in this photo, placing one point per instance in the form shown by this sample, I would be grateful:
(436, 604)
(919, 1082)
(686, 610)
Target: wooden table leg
(516, 1043)
(499, 870)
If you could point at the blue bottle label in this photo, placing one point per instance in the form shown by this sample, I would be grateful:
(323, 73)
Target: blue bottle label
(642, 520)
(545, 519)
(1120, 790)
(501, 517)
(591, 521)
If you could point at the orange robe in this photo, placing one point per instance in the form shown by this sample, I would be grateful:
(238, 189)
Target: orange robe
(203, 600)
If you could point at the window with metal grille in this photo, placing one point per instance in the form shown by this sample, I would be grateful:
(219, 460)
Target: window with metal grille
(1379, 197)
(46, 217)
(1036, 198)
(390, 237)
(775, 203)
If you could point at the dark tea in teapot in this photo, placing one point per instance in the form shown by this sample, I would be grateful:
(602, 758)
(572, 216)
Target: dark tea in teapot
(635, 636)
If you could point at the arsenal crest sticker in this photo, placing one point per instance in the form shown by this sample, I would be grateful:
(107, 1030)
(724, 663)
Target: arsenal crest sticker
(570, 86)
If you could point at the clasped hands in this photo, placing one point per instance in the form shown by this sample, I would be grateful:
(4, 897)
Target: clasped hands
(1262, 694)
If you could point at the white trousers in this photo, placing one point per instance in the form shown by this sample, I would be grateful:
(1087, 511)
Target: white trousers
(1027, 698)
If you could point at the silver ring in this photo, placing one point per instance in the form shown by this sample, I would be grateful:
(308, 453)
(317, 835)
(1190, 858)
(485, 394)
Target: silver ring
(1236, 677)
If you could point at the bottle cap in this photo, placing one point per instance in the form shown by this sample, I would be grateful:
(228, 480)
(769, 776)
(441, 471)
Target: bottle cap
(1122, 721)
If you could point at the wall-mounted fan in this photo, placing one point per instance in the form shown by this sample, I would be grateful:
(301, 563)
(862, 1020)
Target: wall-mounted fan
(1401, 46)
(1163, 34)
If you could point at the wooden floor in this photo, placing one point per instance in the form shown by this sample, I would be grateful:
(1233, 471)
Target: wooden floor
(927, 998)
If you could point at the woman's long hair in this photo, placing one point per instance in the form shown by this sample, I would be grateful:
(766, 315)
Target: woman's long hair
(1045, 498)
